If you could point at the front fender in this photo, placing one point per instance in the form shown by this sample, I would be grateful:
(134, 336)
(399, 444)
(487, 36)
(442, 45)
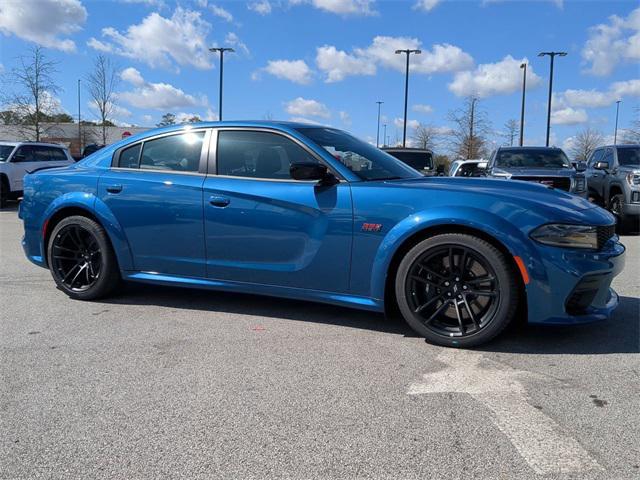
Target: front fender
(514, 240)
(94, 205)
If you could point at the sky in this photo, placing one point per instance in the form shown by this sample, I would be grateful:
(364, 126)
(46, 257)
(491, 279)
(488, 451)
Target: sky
(329, 61)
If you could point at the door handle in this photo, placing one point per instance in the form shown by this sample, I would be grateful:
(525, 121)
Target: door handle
(114, 188)
(218, 201)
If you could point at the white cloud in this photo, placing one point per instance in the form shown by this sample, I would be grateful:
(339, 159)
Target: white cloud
(44, 22)
(158, 96)
(338, 64)
(221, 13)
(426, 5)
(345, 117)
(232, 39)
(422, 108)
(147, 119)
(490, 79)
(569, 116)
(305, 120)
(262, 7)
(159, 41)
(595, 98)
(629, 88)
(343, 7)
(307, 108)
(612, 43)
(296, 71)
(411, 124)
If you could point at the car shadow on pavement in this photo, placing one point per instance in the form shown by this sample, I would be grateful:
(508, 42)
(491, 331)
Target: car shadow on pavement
(620, 334)
(12, 206)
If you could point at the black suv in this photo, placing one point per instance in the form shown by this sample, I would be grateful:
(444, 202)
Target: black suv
(419, 158)
(547, 165)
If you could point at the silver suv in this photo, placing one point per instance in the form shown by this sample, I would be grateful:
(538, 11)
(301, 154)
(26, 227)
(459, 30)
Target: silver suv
(613, 179)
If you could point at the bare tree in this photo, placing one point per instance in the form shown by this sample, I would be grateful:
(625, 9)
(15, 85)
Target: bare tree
(166, 120)
(424, 136)
(512, 129)
(632, 133)
(468, 138)
(102, 83)
(586, 141)
(34, 97)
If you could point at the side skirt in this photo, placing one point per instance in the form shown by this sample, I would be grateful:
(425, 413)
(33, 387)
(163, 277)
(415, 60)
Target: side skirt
(342, 299)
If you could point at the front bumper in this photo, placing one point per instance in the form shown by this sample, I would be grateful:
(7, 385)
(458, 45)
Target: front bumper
(573, 286)
(631, 209)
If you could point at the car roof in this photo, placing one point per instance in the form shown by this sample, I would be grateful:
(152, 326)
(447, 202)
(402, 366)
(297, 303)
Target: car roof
(406, 149)
(632, 145)
(42, 144)
(529, 148)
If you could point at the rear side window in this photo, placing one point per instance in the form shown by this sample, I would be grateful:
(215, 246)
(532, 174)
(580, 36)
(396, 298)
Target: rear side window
(258, 154)
(179, 153)
(57, 155)
(129, 157)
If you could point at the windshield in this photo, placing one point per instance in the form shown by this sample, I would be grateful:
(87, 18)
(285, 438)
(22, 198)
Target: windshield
(532, 158)
(417, 160)
(5, 152)
(364, 160)
(629, 156)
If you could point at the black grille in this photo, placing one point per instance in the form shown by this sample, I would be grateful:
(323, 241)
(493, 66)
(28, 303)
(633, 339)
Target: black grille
(604, 234)
(562, 183)
(584, 293)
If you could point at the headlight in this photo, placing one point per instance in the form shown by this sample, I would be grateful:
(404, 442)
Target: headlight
(579, 184)
(633, 178)
(569, 236)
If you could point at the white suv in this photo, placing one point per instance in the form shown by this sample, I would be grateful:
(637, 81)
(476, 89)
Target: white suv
(19, 158)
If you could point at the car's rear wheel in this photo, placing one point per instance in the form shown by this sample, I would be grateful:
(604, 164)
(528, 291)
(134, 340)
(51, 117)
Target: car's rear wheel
(81, 259)
(456, 290)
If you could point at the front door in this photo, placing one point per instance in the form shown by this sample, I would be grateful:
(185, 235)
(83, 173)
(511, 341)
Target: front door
(261, 226)
(155, 192)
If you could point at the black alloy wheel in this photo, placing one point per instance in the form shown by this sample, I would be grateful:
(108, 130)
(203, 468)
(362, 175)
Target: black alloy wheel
(456, 290)
(81, 259)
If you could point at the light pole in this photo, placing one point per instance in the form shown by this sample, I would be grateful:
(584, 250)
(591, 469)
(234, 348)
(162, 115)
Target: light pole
(79, 127)
(378, 131)
(384, 136)
(615, 133)
(221, 50)
(552, 56)
(524, 88)
(408, 52)
(470, 146)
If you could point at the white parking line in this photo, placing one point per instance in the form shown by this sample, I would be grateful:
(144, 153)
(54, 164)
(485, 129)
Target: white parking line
(538, 439)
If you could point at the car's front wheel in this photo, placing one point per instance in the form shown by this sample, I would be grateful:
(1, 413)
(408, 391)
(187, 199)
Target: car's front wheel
(81, 259)
(456, 290)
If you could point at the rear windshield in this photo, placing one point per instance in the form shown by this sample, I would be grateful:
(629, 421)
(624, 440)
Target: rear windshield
(417, 160)
(5, 152)
(532, 158)
(629, 156)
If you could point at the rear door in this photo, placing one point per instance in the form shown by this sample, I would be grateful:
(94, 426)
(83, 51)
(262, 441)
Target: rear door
(154, 189)
(264, 227)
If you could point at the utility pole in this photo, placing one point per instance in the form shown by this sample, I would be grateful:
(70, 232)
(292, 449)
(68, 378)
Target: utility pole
(221, 50)
(384, 138)
(79, 126)
(470, 143)
(378, 131)
(408, 52)
(615, 133)
(524, 88)
(552, 56)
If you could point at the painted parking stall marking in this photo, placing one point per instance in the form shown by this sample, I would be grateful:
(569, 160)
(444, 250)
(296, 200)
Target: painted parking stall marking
(537, 438)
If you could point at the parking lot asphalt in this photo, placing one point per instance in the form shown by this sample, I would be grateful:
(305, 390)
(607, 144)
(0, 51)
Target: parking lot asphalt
(171, 383)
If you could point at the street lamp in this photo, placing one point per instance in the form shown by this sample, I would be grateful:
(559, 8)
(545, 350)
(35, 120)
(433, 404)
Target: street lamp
(408, 52)
(79, 126)
(552, 56)
(221, 50)
(470, 143)
(615, 133)
(384, 137)
(378, 131)
(524, 88)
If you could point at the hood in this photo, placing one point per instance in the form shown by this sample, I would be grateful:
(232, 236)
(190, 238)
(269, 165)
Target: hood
(629, 169)
(536, 172)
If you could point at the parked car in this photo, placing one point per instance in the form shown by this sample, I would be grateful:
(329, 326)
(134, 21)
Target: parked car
(546, 165)
(91, 148)
(419, 158)
(310, 212)
(613, 178)
(20, 158)
(468, 168)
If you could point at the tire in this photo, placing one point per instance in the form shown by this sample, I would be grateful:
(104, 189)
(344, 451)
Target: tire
(464, 306)
(616, 206)
(81, 259)
(4, 192)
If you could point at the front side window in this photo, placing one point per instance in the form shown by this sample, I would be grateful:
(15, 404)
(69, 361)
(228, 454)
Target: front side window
(180, 153)
(363, 159)
(597, 155)
(532, 158)
(130, 156)
(5, 152)
(257, 154)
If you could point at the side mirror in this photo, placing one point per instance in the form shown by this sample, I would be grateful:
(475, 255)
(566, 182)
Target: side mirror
(601, 166)
(581, 166)
(19, 158)
(311, 171)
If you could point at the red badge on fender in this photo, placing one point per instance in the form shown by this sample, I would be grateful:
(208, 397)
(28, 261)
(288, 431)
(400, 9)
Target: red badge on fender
(371, 227)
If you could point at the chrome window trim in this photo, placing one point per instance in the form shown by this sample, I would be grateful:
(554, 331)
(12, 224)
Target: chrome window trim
(213, 164)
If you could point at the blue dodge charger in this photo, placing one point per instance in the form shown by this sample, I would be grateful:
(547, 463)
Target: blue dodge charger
(309, 212)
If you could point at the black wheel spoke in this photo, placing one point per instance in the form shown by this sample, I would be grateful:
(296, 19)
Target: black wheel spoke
(430, 271)
(459, 315)
(437, 312)
(418, 278)
(484, 279)
(472, 317)
(428, 304)
(481, 293)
